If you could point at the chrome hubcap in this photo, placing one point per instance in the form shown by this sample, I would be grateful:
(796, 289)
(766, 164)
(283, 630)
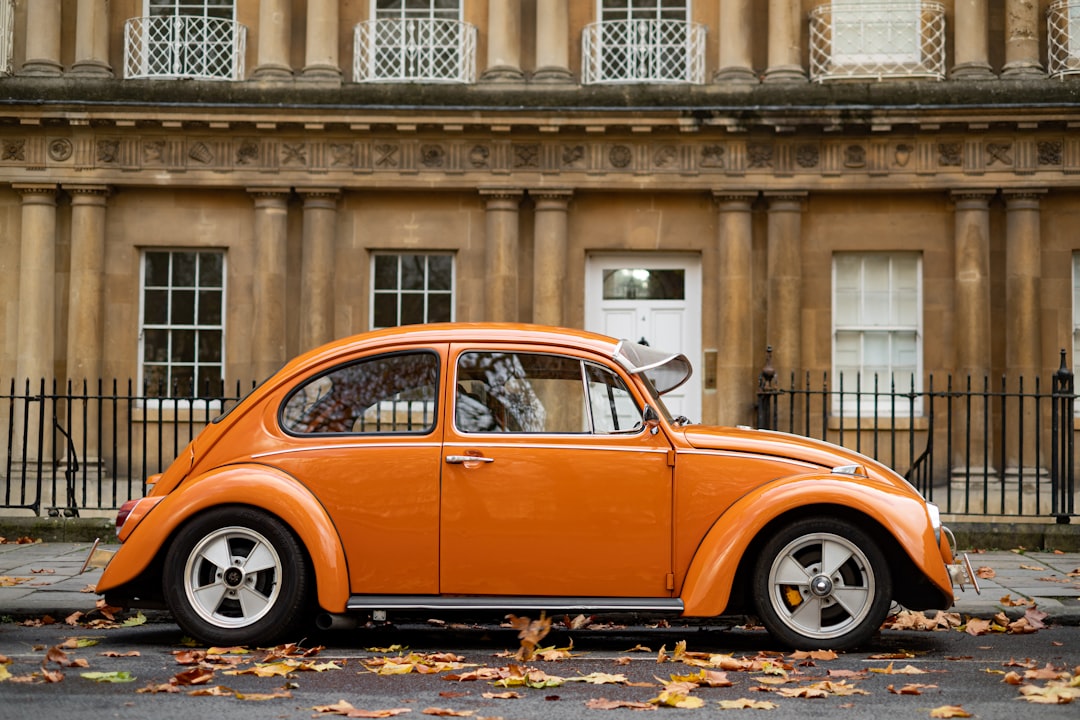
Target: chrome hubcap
(233, 577)
(821, 585)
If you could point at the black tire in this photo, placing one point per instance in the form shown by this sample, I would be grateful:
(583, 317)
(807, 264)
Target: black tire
(237, 576)
(809, 606)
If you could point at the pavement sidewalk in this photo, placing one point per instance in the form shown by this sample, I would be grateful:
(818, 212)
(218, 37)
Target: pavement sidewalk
(44, 579)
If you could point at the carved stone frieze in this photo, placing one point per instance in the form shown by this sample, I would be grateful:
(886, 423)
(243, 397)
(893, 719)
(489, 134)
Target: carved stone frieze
(60, 149)
(14, 149)
(731, 155)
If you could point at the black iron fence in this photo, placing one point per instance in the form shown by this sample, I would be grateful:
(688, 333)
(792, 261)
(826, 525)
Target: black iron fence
(972, 446)
(76, 448)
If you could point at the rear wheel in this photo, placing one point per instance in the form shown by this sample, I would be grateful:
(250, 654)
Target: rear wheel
(237, 576)
(822, 583)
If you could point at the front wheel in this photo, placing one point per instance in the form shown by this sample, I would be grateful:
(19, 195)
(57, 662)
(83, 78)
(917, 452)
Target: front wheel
(236, 576)
(822, 583)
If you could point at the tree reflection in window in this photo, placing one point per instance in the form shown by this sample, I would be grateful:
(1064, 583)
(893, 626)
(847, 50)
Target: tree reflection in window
(386, 394)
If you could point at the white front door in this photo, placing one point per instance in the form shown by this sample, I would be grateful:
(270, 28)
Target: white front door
(652, 298)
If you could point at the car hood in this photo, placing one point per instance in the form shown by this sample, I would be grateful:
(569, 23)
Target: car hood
(785, 445)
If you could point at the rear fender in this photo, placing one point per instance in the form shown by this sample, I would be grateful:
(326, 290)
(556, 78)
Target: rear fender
(708, 585)
(253, 485)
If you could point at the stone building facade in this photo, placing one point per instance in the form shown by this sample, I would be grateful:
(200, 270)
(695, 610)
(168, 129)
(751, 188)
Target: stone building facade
(199, 190)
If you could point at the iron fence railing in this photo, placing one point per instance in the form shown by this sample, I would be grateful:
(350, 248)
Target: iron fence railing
(414, 50)
(181, 46)
(7, 35)
(877, 40)
(1063, 38)
(639, 51)
(972, 446)
(72, 448)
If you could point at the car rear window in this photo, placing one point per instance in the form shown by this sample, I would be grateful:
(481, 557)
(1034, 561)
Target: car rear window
(394, 393)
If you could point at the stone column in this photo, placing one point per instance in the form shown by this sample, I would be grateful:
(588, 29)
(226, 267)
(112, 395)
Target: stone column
(971, 333)
(552, 42)
(86, 297)
(504, 42)
(971, 40)
(736, 61)
(92, 39)
(734, 277)
(268, 281)
(275, 30)
(34, 354)
(321, 60)
(317, 266)
(42, 39)
(1022, 40)
(501, 254)
(784, 269)
(35, 357)
(1023, 310)
(785, 51)
(549, 262)
(86, 312)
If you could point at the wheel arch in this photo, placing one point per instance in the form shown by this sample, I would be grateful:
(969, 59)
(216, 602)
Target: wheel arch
(718, 579)
(141, 557)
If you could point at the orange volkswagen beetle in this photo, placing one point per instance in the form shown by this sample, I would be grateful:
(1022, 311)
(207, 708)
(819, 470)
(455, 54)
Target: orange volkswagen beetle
(515, 468)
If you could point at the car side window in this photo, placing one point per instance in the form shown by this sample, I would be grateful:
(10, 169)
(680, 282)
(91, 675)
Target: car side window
(613, 407)
(385, 394)
(499, 392)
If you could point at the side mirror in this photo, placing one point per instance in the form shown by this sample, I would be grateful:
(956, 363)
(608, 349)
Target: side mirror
(652, 420)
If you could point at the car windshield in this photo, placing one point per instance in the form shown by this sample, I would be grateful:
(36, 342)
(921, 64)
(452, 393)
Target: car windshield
(664, 370)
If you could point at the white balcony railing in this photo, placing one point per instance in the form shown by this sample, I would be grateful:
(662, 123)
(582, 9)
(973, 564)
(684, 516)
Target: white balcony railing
(643, 51)
(7, 34)
(181, 46)
(1063, 38)
(876, 40)
(414, 50)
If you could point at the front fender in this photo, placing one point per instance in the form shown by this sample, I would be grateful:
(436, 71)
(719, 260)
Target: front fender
(707, 588)
(253, 485)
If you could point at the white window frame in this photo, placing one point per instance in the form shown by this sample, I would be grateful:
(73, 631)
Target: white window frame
(399, 291)
(864, 405)
(633, 13)
(203, 9)
(193, 403)
(848, 50)
(403, 13)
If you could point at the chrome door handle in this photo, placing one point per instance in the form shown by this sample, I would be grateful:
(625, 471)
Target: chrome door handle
(460, 459)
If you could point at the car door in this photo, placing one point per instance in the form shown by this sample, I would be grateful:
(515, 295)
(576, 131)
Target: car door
(549, 489)
(363, 436)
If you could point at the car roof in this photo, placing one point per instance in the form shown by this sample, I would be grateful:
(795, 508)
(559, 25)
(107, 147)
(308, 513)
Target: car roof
(522, 333)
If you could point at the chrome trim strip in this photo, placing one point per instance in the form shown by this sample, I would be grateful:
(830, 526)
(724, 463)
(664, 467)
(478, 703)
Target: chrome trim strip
(344, 446)
(485, 442)
(499, 602)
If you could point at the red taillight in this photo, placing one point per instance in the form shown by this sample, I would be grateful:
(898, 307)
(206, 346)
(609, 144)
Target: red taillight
(123, 513)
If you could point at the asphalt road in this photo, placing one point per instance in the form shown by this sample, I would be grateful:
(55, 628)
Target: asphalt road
(955, 669)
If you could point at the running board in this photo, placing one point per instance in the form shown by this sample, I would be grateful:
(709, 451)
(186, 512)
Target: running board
(515, 603)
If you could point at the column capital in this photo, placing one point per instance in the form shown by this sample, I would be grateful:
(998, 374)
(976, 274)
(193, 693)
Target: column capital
(785, 200)
(493, 195)
(270, 198)
(81, 191)
(318, 193)
(734, 200)
(552, 195)
(40, 191)
(1017, 195)
(973, 197)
